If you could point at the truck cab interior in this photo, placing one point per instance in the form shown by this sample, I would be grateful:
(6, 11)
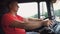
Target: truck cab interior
(46, 9)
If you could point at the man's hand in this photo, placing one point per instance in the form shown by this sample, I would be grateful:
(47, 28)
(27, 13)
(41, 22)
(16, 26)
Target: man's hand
(46, 22)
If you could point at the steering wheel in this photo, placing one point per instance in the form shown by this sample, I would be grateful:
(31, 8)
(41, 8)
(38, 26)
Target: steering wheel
(50, 29)
(40, 28)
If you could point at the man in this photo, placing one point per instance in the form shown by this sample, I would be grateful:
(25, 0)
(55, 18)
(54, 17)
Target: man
(14, 24)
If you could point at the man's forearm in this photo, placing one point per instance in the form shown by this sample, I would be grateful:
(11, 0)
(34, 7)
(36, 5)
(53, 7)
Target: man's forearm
(27, 25)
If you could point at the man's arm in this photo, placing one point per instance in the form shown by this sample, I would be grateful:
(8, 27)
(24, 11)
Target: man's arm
(27, 24)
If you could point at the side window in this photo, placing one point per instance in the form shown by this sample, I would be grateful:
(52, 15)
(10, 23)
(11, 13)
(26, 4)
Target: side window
(27, 10)
(57, 10)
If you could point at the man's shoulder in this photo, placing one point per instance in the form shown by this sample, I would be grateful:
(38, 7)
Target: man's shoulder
(6, 15)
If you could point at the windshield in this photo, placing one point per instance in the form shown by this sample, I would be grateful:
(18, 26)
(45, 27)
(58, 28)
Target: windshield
(43, 10)
(30, 10)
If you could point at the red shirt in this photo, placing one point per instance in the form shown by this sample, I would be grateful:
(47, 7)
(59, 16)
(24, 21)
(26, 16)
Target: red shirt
(6, 21)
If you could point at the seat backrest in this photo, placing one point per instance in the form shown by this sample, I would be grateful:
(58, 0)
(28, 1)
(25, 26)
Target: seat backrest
(1, 29)
(2, 11)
